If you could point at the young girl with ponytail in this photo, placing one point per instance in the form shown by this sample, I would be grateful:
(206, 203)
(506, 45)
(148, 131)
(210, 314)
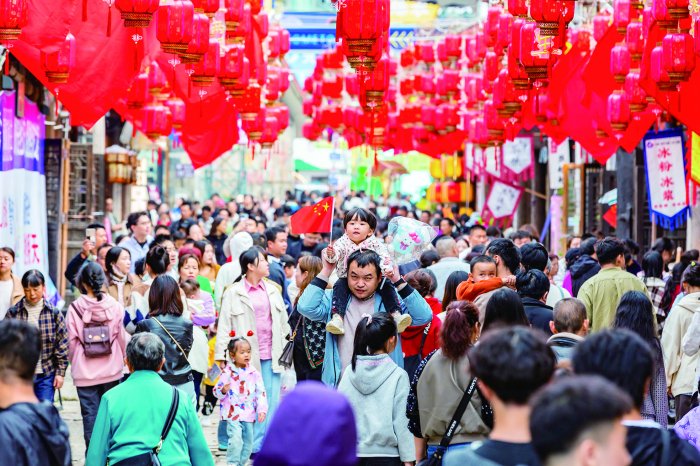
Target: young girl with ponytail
(378, 390)
(96, 365)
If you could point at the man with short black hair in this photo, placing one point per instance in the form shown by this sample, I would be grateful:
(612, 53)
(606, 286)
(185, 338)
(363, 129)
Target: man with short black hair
(521, 237)
(477, 235)
(206, 220)
(448, 263)
(576, 422)
(585, 265)
(276, 239)
(535, 256)
(139, 225)
(627, 360)
(88, 251)
(507, 258)
(185, 219)
(510, 364)
(31, 433)
(533, 287)
(569, 327)
(601, 293)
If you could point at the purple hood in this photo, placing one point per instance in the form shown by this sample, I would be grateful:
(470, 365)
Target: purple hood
(313, 425)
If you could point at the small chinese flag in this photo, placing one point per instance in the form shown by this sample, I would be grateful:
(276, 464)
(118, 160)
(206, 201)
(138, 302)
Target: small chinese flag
(317, 218)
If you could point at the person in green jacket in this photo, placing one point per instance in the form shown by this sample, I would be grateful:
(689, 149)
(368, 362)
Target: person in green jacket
(131, 416)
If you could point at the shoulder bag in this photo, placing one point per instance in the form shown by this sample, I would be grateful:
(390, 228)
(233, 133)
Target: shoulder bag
(436, 458)
(151, 458)
(96, 338)
(287, 357)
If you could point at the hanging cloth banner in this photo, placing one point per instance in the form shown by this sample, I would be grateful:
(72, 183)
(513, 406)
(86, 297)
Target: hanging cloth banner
(559, 154)
(502, 201)
(666, 181)
(518, 160)
(694, 164)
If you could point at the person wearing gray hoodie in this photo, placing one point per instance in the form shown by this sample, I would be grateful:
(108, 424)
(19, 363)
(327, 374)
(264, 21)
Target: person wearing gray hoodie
(378, 392)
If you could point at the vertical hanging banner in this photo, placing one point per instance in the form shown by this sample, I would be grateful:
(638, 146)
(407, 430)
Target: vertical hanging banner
(694, 166)
(518, 160)
(559, 154)
(666, 181)
(501, 202)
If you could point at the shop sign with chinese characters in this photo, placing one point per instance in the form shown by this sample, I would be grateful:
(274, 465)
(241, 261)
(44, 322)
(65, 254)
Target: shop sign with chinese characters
(666, 181)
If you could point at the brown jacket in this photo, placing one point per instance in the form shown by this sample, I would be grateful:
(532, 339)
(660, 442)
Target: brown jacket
(131, 282)
(17, 289)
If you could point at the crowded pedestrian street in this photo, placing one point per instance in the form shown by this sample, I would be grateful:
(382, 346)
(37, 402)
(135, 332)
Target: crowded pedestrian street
(349, 233)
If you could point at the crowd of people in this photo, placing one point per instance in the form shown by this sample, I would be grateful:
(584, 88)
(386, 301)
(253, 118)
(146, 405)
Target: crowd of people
(487, 349)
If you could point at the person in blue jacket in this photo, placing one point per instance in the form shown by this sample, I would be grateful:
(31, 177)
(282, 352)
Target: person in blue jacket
(364, 279)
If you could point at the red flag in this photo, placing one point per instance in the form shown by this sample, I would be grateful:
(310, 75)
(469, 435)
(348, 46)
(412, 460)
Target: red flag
(317, 218)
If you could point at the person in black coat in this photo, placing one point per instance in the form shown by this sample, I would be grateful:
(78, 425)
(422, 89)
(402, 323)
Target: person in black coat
(533, 287)
(585, 266)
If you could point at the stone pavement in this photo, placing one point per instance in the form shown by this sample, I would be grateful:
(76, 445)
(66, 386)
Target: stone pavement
(71, 415)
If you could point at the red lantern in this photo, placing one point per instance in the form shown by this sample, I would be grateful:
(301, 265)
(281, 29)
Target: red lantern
(272, 88)
(234, 70)
(635, 40)
(332, 87)
(234, 14)
(204, 72)
(618, 111)
(200, 40)
(678, 56)
(494, 122)
(360, 24)
(249, 103)
(157, 121)
(285, 42)
(284, 80)
(505, 96)
(492, 65)
(658, 73)
(137, 13)
(425, 52)
(13, 17)
(547, 14)
(442, 53)
(237, 34)
(270, 131)
(678, 9)
(491, 25)
(174, 26)
(208, 7)
(263, 22)
(662, 16)
(620, 62)
(59, 63)
(637, 96)
(533, 57)
(178, 112)
(311, 131)
(377, 84)
(137, 95)
(281, 113)
(515, 70)
(156, 79)
(622, 15)
(454, 46)
(517, 8)
(505, 27)
(601, 23)
(254, 124)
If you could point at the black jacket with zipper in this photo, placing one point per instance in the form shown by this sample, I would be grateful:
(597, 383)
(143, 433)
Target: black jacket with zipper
(176, 369)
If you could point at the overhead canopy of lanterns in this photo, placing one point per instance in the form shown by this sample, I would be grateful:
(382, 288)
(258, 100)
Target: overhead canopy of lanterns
(604, 82)
(192, 66)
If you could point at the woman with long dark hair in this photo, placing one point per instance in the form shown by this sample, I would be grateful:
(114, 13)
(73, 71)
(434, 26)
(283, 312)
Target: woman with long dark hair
(96, 342)
(453, 281)
(635, 312)
(217, 237)
(119, 282)
(504, 309)
(653, 269)
(157, 264)
(309, 336)
(166, 320)
(439, 383)
(253, 307)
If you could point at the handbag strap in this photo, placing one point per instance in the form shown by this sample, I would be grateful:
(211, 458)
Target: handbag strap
(452, 426)
(293, 335)
(422, 340)
(173, 339)
(169, 420)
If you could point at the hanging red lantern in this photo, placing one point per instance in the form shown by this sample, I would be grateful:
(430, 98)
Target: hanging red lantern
(137, 13)
(425, 83)
(270, 131)
(137, 95)
(263, 22)
(662, 16)
(208, 7)
(156, 79)
(377, 84)
(658, 73)
(505, 27)
(618, 111)
(331, 116)
(284, 80)
(249, 102)
(237, 34)
(254, 124)
(453, 43)
(352, 85)
(310, 131)
(678, 56)
(442, 53)
(515, 70)
(678, 9)
(620, 62)
(332, 86)
(285, 43)
(361, 24)
(425, 52)
(13, 17)
(517, 8)
(157, 121)
(281, 113)
(505, 96)
(492, 65)
(547, 14)
(635, 40)
(234, 70)
(636, 95)
(494, 122)
(272, 87)
(174, 26)
(58, 64)
(204, 72)
(622, 15)
(233, 14)
(533, 57)
(200, 40)
(178, 111)
(491, 25)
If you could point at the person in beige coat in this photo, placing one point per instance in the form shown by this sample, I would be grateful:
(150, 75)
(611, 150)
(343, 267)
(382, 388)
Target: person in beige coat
(678, 335)
(253, 308)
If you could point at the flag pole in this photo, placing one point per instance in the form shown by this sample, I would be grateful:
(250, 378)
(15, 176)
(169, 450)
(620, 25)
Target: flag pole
(330, 240)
